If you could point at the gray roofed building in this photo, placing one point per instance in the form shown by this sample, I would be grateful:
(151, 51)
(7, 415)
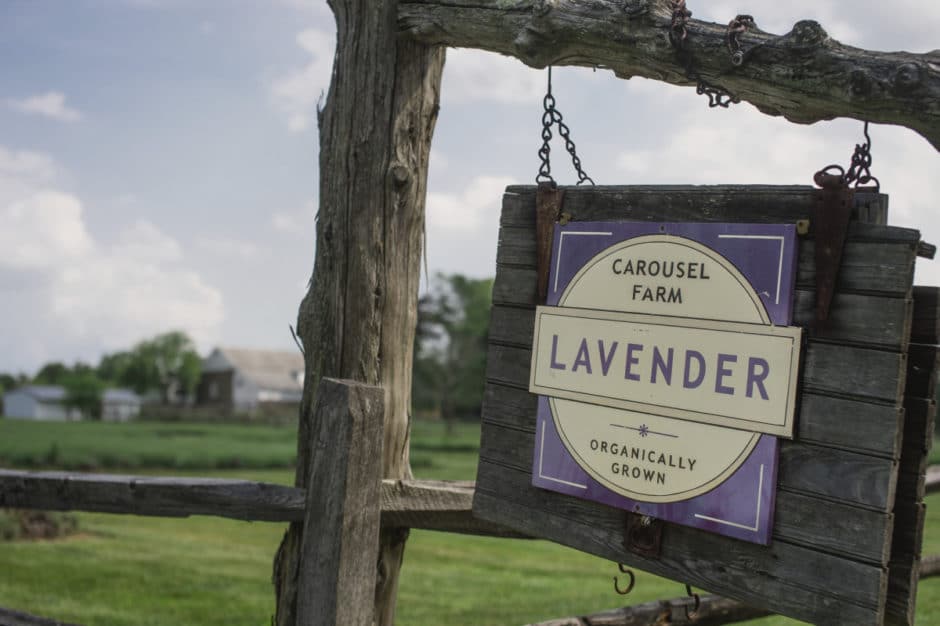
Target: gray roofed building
(38, 402)
(242, 380)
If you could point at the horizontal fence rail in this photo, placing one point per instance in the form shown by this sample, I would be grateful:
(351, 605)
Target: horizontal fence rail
(423, 504)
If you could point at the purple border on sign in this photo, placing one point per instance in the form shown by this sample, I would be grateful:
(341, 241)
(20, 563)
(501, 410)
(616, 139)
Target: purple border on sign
(743, 505)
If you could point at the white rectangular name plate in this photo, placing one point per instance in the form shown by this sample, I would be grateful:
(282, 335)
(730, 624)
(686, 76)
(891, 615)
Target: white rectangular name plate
(731, 374)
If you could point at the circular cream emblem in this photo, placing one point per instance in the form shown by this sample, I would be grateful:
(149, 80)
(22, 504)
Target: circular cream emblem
(639, 455)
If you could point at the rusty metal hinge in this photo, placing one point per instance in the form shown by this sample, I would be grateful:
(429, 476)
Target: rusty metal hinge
(832, 211)
(643, 535)
(548, 201)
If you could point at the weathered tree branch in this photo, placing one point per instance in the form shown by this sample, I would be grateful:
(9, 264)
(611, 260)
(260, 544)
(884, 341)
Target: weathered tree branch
(804, 75)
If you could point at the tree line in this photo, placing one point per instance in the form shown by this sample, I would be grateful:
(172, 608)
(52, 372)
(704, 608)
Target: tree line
(166, 366)
(447, 382)
(450, 347)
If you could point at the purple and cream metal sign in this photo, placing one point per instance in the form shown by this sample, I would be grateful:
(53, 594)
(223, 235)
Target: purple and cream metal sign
(666, 370)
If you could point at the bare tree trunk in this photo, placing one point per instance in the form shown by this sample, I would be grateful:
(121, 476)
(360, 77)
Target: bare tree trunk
(803, 75)
(358, 318)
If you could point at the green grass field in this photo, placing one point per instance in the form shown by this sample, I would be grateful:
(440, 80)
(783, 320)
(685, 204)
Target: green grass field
(124, 570)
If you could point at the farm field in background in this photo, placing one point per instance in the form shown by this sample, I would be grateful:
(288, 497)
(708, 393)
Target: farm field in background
(143, 570)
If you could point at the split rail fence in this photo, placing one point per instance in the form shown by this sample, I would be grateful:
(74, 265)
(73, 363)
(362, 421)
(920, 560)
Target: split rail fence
(341, 510)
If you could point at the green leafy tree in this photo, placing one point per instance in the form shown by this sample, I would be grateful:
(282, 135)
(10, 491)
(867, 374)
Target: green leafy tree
(167, 363)
(52, 374)
(450, 363)
(112, 368)
(83, 391)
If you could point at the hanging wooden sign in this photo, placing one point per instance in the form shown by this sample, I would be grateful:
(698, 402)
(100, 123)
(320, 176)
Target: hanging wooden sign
(843, 532)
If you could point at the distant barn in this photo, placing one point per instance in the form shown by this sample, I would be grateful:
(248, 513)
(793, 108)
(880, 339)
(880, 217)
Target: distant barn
(38, 402)
(250, 381)
(47, 403)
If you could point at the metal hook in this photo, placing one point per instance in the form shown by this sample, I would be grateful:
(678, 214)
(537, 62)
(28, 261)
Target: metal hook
(697, 604)
(625, 570)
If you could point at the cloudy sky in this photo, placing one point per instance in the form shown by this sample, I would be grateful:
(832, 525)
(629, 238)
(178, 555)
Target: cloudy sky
(158, 158)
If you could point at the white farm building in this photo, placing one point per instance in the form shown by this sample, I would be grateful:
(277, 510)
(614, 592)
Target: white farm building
(47, 403)
(245, 381)
(38, 402)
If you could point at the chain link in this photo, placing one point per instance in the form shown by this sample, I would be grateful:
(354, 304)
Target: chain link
(550, 117)
(859, 171)
(740, 24)
(678, 34)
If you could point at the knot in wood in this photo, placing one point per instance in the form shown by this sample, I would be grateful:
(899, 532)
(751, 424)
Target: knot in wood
(528, 46)
(860, 82)
(808, 33)
(543, 7)
(907, 78)
(400, 175)
(634, 8)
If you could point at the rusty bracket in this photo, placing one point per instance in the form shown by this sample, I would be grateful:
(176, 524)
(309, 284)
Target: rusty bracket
(643, 535)
(548, 201)
(832, 210)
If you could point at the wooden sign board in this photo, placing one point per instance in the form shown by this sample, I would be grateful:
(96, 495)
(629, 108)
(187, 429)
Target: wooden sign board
(848, 523)
(661, 366)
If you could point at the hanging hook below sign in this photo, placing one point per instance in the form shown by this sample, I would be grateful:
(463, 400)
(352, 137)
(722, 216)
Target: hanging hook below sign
(626, 570)
(696, 604)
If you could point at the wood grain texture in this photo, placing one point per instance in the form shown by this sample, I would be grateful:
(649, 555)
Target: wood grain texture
(739, 573)
(804, 75)
(357, 320)
(926, 322)
(145, 495)
(425, 504)
(336, 576)
(837, 484)
(714, 610)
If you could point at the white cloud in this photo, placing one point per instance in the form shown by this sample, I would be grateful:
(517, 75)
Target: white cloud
(146, 243)
(296, 222)
(462, 227)
(228, 247)
(477, 76)
(50, 104)
(33, 166)
(296, 95)
(71, 296)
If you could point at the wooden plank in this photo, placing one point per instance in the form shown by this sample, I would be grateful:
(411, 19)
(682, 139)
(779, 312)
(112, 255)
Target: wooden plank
(430, 505)
(660, 203)
(712, 611)
(145, 495)
(922, 370)
(868, 267)
(865, 319)
(926, 323)
(854, 479)
(830, 590)
(436, 505)
(336, 571)
(919, 419)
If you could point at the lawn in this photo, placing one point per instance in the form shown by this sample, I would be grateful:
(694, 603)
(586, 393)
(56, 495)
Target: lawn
(140, 570)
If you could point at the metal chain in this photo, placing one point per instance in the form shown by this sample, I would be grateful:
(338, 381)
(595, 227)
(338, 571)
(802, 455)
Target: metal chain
(678, 34)
(859, 171)
(550, 117)
(740, 24)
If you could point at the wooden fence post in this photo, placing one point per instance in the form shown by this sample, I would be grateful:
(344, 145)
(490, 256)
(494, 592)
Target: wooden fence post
(338, 557)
